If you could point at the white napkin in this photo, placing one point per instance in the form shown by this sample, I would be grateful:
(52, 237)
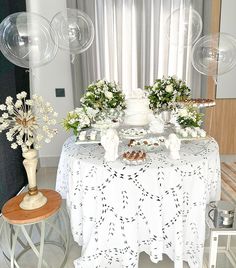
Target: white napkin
(110, 142)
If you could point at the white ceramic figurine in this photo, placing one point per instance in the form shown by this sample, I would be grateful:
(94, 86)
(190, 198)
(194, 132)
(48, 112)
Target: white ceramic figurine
(110, 142)
(173, 144)
(156, 125)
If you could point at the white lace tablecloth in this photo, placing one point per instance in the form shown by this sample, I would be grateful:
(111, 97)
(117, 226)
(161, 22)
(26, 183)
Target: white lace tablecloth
(118, 211)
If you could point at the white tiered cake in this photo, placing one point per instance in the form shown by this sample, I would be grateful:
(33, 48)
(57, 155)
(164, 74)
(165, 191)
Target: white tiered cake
(137, 112)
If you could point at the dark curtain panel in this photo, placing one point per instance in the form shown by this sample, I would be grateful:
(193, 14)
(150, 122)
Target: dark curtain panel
(13, 80)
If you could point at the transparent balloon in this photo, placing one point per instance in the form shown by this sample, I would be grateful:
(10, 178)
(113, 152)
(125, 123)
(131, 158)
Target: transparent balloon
(183, 27)
(27, 40)
(75, 30)
(214, 54)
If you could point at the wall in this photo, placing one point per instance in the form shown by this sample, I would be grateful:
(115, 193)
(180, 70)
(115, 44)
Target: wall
(220, 120)
(225, 83)
(45, 79)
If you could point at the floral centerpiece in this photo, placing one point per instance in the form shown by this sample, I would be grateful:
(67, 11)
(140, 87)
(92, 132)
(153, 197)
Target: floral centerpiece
(79, 119)
(103, 95)
(103, 101)
(28, 122)
(189, 116)
(166, 91)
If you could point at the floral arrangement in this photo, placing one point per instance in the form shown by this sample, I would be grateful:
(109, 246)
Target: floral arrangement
(103, 95)
(189, 116)
(27, 122)
(79, 119)
(166, 91)
(103, 100)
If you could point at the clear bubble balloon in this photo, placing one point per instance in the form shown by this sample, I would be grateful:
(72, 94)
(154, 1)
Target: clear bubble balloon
(75, 30)
(183, 27)
(214, 54)
(27, 40)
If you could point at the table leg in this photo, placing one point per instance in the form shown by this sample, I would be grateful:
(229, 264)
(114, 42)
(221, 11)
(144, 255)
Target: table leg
(13, 247)
(228, 242)
(42, 235)
(32, 245)
(213, 249)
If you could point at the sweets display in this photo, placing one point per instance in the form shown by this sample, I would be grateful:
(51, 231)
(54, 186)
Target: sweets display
(134, 157)
(194, 132)
(149, 144)
(199, 102)
(133, 133)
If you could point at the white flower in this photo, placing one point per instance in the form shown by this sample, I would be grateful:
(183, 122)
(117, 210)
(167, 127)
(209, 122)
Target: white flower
(18, 103)
(2, 107)
(183, 112)
(9, 136)
(20, 142)
(155, 85)
(39, 137)
(37, 146)
(18, 96)
(169, 88)
(47, 140)
(108, 95)
(28, 143)
(29, 102)
(78, 111)
(13, 145)
(55, 114)
(91, 112)
(9, 100)
(100, 83)
(23, 94)
(72, 121)
(88, 94)
(5, 115)
(10, 109)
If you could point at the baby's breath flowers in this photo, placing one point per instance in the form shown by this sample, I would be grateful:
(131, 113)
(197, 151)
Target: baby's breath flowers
(27, 122)
(189, 116)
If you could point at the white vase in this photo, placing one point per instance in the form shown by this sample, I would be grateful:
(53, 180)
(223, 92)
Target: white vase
(33, 199)
(166, 116)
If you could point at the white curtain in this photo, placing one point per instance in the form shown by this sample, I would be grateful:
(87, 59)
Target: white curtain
(131, 45)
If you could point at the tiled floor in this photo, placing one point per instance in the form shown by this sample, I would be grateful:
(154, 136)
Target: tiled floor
(46, 179)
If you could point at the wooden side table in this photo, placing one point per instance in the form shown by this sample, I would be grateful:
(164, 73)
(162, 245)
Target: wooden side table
(51, 225)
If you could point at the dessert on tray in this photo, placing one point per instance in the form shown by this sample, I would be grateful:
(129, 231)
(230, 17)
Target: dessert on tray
(191, 133)
(133, 133)
(148, 144)
(199, 102)
(134, 157)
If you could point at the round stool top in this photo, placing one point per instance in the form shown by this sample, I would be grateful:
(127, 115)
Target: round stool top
(13, 214)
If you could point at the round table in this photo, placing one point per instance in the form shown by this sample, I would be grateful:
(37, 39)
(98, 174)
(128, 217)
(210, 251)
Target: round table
(118, 211)
(25, 230)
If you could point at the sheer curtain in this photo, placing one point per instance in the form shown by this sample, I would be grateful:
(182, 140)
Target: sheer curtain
(131, 45)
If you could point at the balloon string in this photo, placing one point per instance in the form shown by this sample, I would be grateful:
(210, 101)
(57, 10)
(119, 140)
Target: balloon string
(73, 58)
(32, 73)
(215, 79)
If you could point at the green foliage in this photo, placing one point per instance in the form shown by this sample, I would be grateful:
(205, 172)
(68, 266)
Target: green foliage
(189, 116)
(164, 92)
